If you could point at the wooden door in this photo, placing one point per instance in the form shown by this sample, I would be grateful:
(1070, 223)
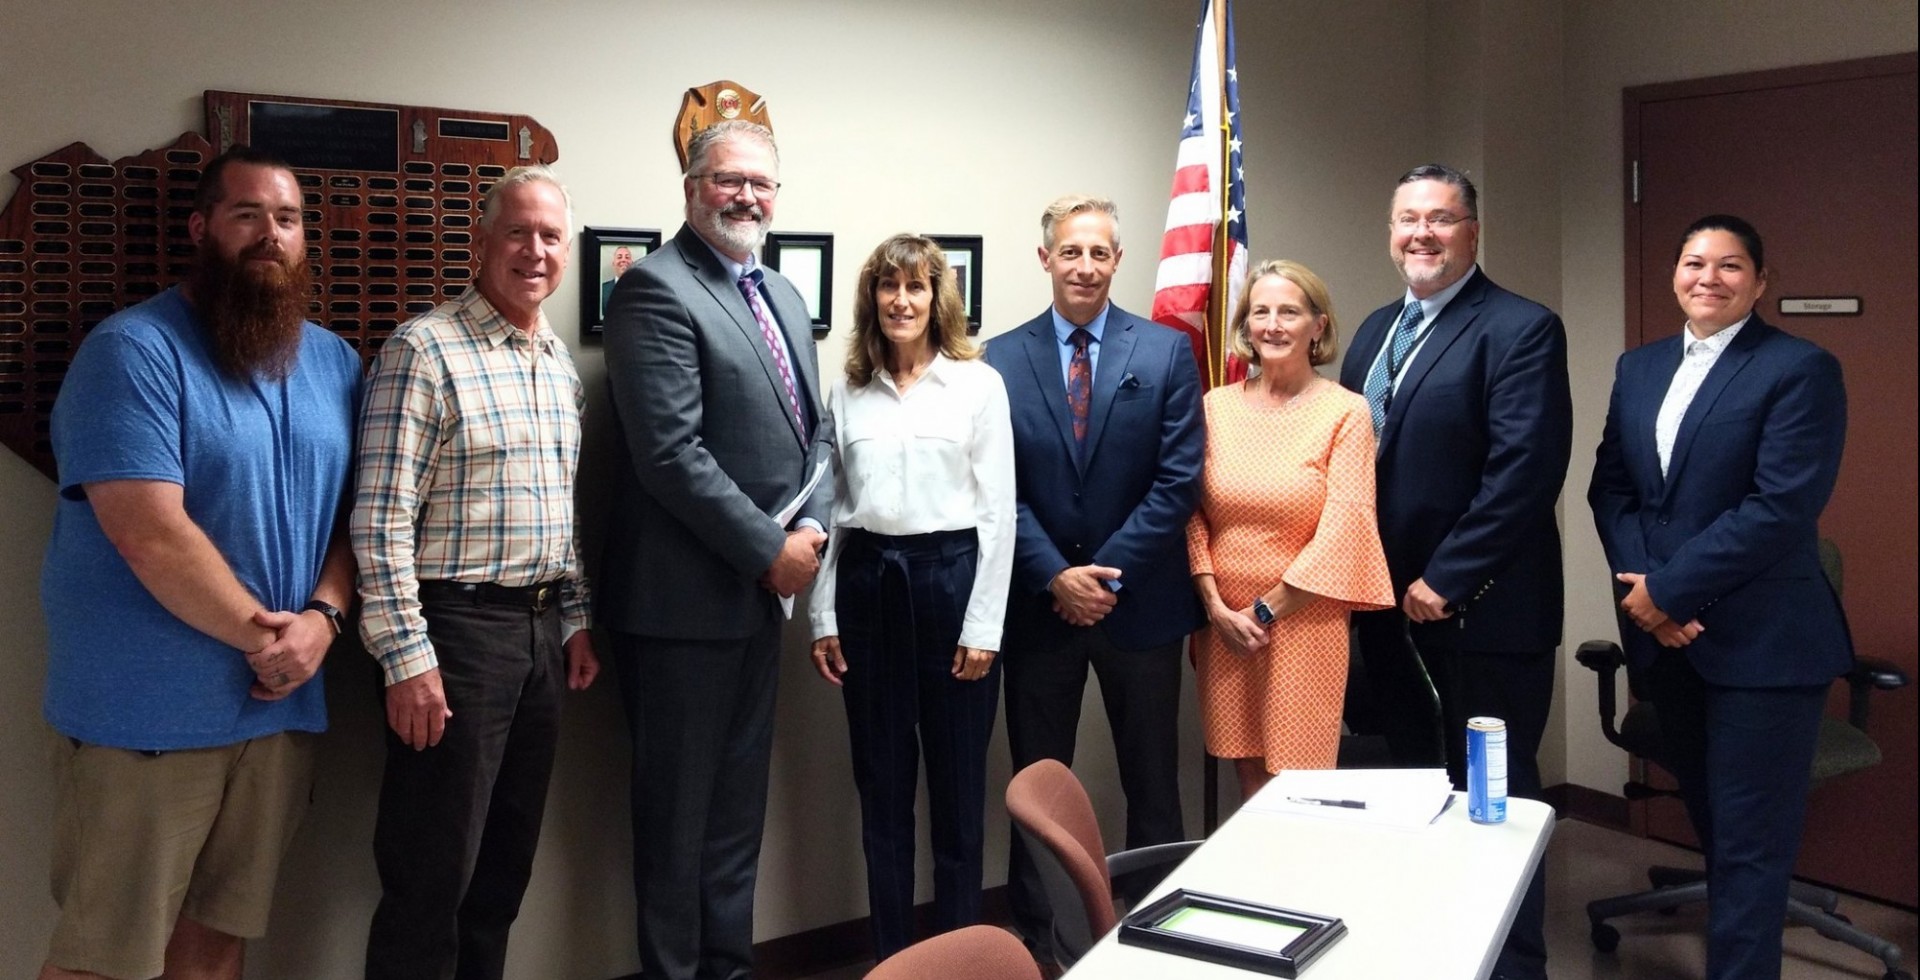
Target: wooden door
(1823, 161)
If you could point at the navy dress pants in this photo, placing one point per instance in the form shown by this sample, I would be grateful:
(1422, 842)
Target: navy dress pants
(1744, 758)
(900, 604)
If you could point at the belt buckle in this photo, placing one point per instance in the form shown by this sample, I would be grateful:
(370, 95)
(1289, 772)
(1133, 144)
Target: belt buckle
(541, 597)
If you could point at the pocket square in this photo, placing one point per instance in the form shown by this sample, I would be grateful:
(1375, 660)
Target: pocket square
(1129, 382)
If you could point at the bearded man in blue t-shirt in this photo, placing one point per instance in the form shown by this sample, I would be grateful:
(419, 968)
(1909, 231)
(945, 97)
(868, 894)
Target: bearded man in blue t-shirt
(194, 583)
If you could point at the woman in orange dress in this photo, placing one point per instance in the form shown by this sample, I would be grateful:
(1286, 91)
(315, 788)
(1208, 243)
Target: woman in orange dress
(1284, 544)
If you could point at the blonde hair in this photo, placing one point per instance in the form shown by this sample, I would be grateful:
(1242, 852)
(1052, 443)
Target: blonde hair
(908, 254)
(530, 174)
(1065, 207)
(1321, 351)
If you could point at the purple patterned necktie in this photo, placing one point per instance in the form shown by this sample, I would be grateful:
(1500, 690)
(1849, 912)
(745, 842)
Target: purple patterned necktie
(1079, 384)
(750, 287)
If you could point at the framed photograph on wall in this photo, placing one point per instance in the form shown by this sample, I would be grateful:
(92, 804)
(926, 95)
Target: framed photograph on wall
(605, 253)
(806, 259)
(964, 254)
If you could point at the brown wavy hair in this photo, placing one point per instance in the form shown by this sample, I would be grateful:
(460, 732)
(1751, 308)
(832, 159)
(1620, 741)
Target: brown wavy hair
(906, 254)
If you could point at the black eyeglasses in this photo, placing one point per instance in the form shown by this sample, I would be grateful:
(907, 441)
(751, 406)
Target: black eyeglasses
(731, 183)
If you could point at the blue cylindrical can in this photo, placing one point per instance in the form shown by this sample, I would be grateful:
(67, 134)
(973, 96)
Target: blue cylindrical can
(1487, 770)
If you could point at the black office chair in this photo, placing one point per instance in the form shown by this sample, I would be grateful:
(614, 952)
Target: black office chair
(1844, 747)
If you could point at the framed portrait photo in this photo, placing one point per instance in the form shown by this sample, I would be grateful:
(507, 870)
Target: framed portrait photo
(806, 259)
(605, 254)
(964, 253)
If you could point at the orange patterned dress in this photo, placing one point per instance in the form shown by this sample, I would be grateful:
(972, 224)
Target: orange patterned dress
(1287, 494)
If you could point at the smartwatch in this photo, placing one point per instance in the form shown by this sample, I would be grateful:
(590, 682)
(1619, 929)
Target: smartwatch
(1263, 612)
(335, 617)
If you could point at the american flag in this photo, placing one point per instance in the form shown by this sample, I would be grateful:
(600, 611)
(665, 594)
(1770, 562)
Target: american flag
(1203, 258)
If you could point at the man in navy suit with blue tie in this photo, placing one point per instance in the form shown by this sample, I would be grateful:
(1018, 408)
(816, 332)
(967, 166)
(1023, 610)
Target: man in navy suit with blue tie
(1107, 447)
(1471, 410)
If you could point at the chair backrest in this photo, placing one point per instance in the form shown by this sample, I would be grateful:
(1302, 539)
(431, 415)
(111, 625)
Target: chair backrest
(973, 953)
(1051, 812)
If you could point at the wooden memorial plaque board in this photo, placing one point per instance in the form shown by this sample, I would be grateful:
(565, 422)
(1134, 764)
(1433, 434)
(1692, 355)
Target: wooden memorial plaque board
(392, 195)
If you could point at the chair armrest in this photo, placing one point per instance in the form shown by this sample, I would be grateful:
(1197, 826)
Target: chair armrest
(1882, 674)
(1136, 872)
(1151, 856)
(1604, 658)
(1601, 656)
(1869, 674)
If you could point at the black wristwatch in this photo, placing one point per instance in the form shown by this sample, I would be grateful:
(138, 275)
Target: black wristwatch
(335, 618)
(1263, 612)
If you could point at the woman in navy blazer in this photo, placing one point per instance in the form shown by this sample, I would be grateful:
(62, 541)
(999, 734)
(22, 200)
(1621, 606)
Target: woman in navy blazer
(1721, 448)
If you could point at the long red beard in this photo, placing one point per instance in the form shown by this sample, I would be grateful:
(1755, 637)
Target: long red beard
(253, 312)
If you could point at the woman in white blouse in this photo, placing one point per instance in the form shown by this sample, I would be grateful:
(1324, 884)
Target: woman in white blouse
(908, 605)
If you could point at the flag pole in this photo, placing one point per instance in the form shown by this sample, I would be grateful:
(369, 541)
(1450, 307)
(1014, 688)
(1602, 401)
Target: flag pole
(1217, 298)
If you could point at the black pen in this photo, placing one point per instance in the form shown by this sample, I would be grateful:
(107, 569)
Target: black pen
(1315, 801)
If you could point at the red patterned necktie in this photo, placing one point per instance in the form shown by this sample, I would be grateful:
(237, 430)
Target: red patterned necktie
(1079, 384)
(750, 287)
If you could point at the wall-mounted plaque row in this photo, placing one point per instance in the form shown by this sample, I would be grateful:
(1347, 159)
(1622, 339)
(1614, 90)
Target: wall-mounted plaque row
(391, 195)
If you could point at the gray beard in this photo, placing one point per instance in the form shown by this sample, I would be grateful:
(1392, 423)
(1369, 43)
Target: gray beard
(730, 236)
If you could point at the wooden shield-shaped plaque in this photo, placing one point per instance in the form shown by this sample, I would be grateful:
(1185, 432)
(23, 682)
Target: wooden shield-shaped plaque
(715, 102)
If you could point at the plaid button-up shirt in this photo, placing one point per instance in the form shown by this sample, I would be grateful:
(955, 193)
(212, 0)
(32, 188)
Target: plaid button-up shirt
(468, 447)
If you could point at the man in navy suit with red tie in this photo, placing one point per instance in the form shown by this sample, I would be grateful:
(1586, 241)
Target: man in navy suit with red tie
(1471, 410)
(1107, 446)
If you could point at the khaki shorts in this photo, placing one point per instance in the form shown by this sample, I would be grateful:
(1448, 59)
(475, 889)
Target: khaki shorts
(140, 840)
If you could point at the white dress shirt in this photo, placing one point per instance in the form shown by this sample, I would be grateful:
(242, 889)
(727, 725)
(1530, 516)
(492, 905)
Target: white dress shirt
(1429, 311)
(937, 458)
(1697, 358)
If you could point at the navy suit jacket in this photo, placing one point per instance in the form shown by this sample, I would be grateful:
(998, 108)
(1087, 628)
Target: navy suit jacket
(1730, 535)
(1471, 461)
(1125, 501)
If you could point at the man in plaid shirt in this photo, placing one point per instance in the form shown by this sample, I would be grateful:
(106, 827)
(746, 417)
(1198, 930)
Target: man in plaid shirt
(475, 604)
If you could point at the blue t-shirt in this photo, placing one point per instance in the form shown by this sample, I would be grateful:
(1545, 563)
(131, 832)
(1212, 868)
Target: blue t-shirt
(264, 466)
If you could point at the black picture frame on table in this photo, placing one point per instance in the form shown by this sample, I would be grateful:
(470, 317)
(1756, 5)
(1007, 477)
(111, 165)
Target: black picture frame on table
(1166, 925)
(806, 259)
(599, 250)
(964, 255)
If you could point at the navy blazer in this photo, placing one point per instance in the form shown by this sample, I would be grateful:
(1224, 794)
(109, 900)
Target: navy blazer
(1471, 461)
(1124, 503)
(1730, 535)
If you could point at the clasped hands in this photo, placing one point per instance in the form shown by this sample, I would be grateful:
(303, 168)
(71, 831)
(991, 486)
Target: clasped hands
(1237, 628)
(1081, 595)
(1639, 607)
(296, 643)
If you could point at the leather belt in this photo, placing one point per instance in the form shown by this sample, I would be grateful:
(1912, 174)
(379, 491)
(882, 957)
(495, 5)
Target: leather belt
(538, 598)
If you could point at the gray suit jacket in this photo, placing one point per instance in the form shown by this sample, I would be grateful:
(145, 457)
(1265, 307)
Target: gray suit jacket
(707, 450)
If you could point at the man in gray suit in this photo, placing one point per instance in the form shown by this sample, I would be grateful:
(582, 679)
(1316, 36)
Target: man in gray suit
(712, 370)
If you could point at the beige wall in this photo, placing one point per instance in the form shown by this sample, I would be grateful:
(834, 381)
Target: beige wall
(959, 119)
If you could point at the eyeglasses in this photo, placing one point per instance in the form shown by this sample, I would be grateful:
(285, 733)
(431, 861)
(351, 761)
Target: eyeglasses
(1438, 221)
(731, 183)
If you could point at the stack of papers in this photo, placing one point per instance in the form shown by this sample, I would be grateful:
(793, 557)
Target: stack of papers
(1409, 798)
